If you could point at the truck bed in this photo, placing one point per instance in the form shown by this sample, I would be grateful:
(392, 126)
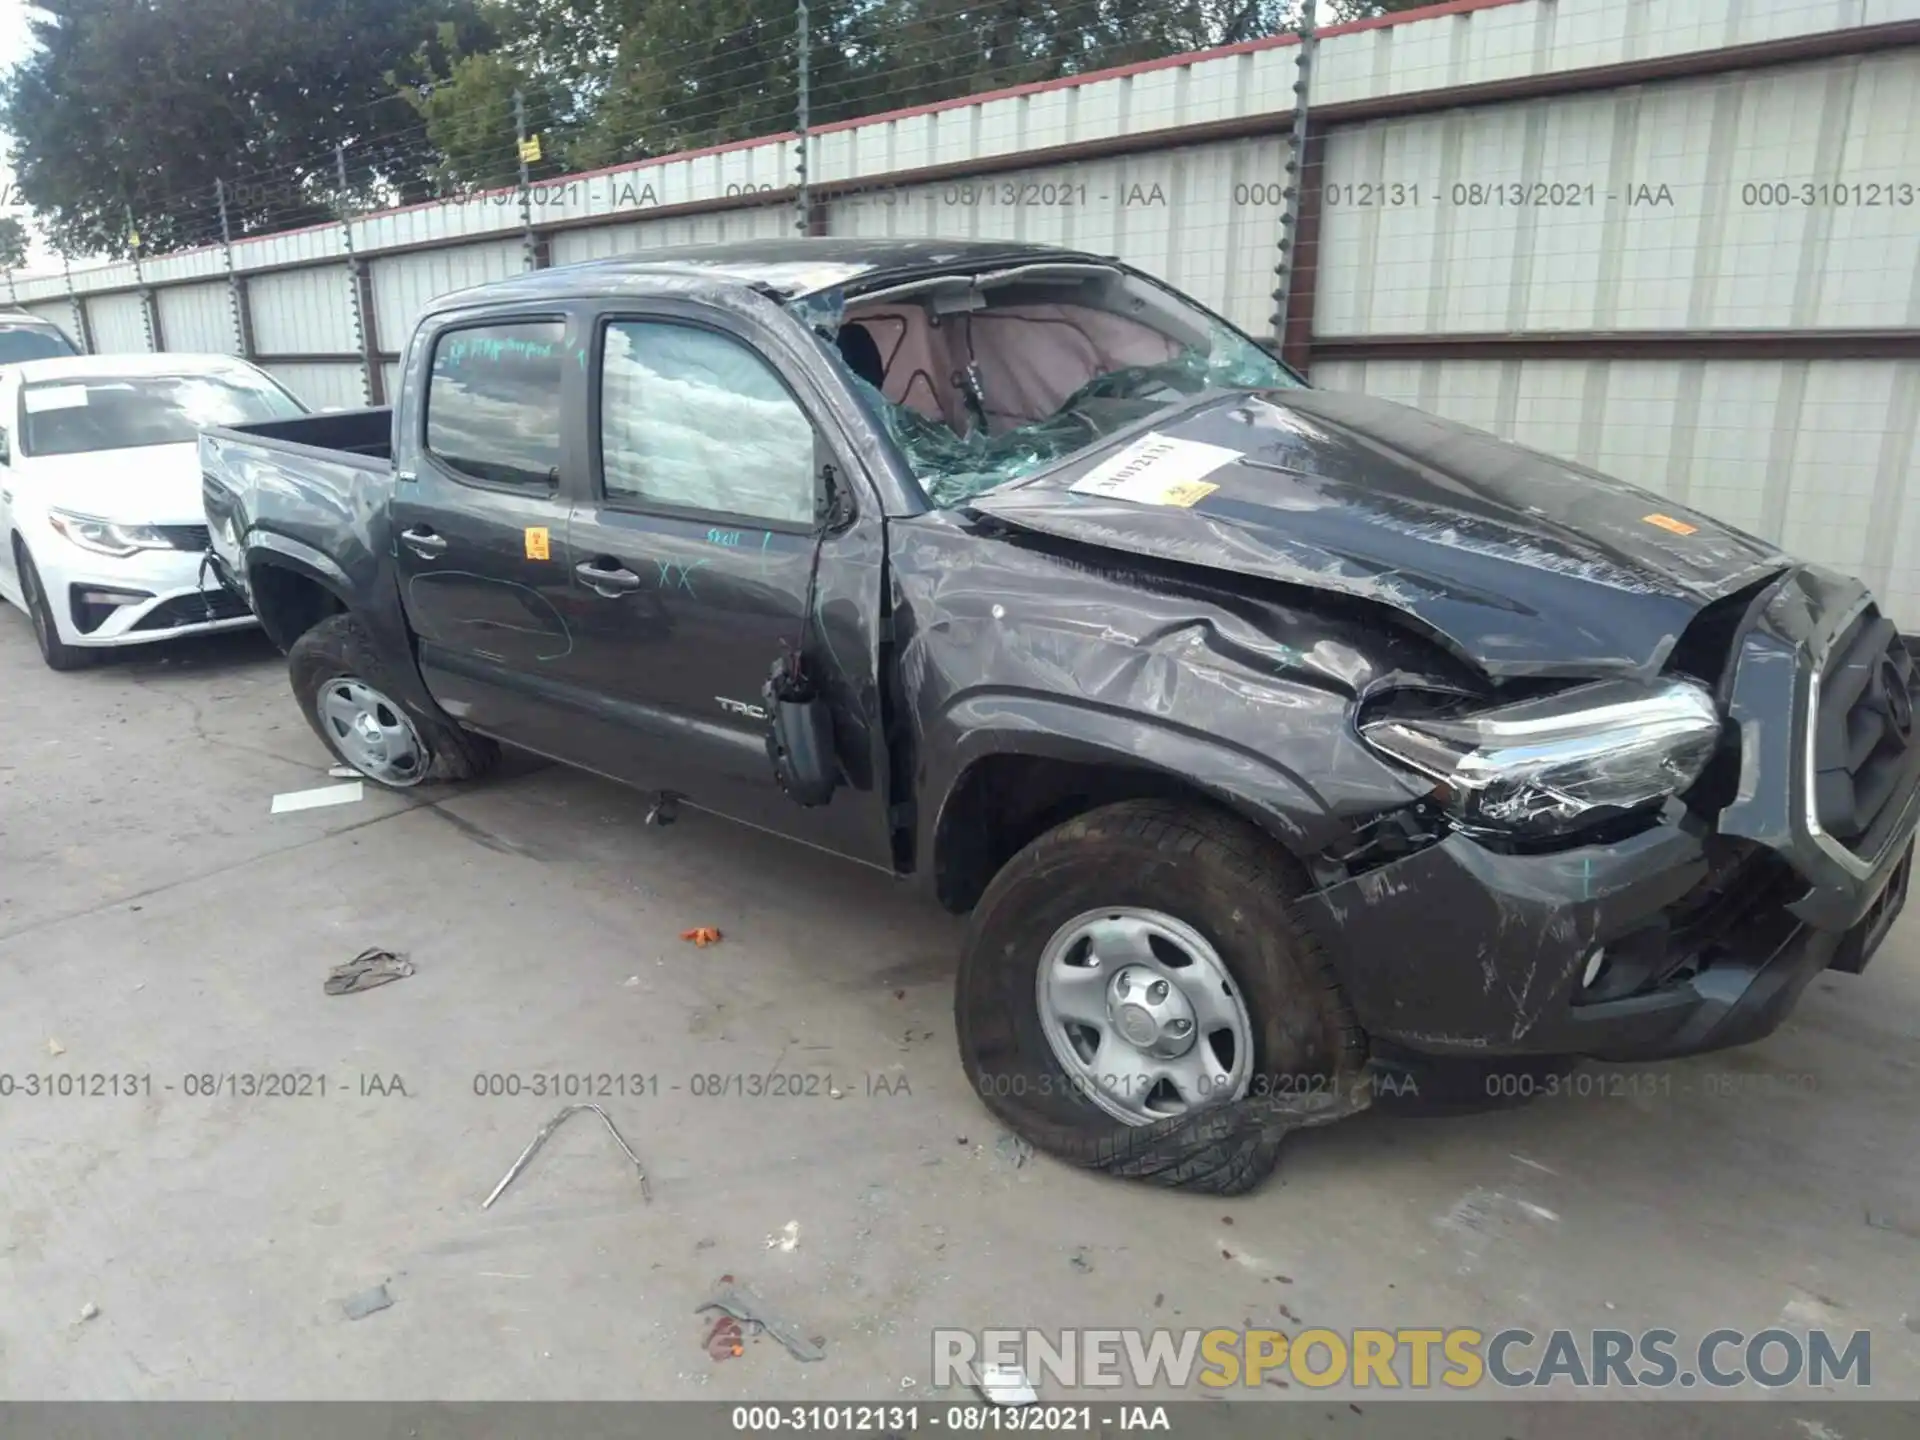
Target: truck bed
(364, 433)
(313, 488)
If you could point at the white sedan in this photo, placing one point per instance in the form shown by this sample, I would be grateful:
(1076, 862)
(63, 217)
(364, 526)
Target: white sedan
(100, 506)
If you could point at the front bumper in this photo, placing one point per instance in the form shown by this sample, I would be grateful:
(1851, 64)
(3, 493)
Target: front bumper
(1690, 936)
(105, 601)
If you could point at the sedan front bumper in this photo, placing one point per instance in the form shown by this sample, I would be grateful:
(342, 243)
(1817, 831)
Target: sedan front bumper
(107, 601)
(1692, 935)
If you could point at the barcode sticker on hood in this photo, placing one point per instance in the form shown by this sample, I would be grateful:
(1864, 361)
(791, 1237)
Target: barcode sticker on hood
(1157, 470)
(41, 398)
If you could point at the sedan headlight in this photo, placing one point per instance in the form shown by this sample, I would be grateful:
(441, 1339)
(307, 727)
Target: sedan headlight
(105, 537)
(1540, 766)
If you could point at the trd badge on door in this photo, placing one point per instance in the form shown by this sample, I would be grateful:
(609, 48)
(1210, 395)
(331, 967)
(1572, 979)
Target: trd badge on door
(740, 707)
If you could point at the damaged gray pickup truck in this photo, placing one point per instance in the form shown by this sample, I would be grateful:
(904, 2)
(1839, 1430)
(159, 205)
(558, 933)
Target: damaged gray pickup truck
(1271, 736)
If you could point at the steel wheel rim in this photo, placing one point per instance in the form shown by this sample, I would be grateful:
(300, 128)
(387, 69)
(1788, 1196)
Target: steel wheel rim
(1143, 1015)
(372, 733)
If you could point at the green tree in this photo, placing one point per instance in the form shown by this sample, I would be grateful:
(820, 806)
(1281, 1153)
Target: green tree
(139, 106)
(13, 243)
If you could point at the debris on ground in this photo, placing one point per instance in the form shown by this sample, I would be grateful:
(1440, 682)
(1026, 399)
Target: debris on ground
(701, 935)
(342, 772)
(1080, 1261)
(546, 1130)
(1006, 1385)
(632, 982)
(1012, 1149)
(746, 1305)
(705, 1244)
(54, 1047)
(787, 1239)
(290, 801)
(724, 1340)
(368, 970)
(358, 1307)
(89, 1311)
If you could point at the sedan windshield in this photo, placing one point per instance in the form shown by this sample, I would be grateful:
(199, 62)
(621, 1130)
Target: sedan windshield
(73, 417)
(31, 342)
(982, 380)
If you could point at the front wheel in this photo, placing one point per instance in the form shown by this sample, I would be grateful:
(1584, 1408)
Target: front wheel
(56, 652)
(1132, 974)
(347, 698)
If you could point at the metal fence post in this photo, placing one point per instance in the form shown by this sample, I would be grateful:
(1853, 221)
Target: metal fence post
(803, 198)
(149, 317)
(1286, 268)
(356, 286)
(529, 243)
(83, 327)
(236, 287)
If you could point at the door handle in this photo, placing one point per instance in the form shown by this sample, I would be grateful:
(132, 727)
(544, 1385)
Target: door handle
(607, 583)
(423, 542)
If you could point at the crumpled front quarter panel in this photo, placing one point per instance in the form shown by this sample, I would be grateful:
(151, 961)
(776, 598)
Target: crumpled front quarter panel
(1005, 647)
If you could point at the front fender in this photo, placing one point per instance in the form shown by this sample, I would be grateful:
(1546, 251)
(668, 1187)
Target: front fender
(1074, 731)
(264, 547)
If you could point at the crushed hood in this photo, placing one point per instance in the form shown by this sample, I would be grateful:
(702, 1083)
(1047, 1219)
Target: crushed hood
(1521, 563)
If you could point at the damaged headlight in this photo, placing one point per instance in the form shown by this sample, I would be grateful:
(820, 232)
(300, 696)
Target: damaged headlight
(1538, 766)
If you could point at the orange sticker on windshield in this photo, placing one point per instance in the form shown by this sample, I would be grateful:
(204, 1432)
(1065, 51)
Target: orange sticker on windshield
(537, 543)
(1667, 522)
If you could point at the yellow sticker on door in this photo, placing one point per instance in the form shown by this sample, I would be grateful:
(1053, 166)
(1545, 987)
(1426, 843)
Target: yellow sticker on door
(537, 543)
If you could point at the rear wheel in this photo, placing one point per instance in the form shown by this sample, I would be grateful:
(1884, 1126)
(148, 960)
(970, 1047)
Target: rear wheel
(348, 699)
(1132, 974)
(56, 652)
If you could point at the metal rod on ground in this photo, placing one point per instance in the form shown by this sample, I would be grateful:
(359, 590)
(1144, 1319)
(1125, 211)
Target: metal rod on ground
(527, 244)
(353, 273)
(546, 1130)
(1284, 267)
(803, 198)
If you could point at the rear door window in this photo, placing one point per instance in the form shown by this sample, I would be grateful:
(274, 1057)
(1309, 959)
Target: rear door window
(493, 402)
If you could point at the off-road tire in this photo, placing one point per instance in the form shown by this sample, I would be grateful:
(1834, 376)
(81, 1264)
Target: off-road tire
(339, 648)
(56, 652)
(1235, 886)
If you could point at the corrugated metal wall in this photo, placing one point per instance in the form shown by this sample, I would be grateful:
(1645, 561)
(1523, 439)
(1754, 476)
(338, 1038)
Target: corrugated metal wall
(1661, 207)
(60, 312)
(119, 323)
(304, 312)
(198, 318)
(404, 284)
(323, 385)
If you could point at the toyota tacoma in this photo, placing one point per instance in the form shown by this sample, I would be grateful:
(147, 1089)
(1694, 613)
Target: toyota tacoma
(1266, 733)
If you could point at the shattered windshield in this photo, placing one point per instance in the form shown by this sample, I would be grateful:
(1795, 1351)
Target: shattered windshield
(985, 392)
